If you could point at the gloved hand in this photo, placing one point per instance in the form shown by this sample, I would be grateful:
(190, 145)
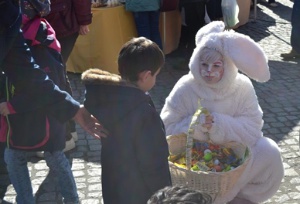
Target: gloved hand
(206, 121)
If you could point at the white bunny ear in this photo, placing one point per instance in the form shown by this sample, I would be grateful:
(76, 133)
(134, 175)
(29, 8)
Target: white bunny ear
(247, 55)
(212, 27)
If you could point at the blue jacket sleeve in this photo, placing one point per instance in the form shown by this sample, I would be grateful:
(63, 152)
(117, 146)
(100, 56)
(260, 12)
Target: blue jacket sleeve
(32, 87)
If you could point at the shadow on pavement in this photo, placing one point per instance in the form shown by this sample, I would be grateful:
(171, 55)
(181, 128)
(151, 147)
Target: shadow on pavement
(279, 97)
(284, 12)
(257, 30)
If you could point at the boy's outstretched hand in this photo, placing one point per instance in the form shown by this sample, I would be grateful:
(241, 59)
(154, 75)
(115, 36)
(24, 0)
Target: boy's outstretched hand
(89, 123)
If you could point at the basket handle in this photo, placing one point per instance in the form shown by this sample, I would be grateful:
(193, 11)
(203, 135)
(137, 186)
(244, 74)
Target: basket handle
(190, 134)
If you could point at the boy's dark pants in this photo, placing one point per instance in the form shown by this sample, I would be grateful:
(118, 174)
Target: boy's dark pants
(4, 178)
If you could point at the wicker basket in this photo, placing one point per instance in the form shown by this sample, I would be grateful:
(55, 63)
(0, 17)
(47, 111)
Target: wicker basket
(217, 184)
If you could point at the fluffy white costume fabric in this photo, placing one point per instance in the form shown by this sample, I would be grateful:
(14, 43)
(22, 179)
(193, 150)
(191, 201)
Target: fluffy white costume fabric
(234, 105)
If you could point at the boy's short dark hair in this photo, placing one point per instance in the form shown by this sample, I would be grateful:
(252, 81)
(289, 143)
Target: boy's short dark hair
(179, 195)
(138, 55)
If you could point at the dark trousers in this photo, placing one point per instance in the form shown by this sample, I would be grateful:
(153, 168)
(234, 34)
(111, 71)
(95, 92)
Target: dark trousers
(214, 9)
(147, 25)
(67, 44)
(194, 19)
(295, 35)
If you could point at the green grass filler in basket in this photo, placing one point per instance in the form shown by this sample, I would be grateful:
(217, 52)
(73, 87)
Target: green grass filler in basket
(207, 156)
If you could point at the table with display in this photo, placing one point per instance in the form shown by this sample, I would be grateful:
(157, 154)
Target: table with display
(110, 29)
(113, 26)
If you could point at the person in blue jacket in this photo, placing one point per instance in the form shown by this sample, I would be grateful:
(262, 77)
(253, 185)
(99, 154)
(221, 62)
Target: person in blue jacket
(35, 110)
(146, 16)
(134, 157)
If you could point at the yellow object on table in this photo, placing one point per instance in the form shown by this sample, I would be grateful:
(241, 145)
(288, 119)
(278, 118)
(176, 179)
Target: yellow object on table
(110, 29)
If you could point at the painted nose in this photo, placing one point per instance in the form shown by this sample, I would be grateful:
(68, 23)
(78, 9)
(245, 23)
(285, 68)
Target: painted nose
(209, 68)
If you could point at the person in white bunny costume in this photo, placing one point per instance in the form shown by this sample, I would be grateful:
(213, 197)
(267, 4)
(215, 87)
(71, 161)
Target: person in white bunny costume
(235, 114)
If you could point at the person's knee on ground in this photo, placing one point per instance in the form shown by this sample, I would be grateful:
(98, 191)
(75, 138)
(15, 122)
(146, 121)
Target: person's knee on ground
(266, 172)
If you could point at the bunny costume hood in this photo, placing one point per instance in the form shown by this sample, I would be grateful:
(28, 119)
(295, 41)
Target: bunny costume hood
(233, 103)
(239, 52)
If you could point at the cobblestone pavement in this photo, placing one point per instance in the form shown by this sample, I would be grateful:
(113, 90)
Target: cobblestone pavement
(279, 99)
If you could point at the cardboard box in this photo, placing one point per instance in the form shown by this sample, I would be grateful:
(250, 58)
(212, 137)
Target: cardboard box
(244, 13)
(170, 30)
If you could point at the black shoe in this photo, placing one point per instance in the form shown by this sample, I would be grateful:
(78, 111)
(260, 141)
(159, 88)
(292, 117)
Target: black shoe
(290, 55)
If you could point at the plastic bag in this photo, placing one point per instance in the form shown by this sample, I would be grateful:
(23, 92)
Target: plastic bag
(230, 11)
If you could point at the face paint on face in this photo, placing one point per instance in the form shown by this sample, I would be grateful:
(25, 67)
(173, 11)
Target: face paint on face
(204, 73)
(211, 72)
